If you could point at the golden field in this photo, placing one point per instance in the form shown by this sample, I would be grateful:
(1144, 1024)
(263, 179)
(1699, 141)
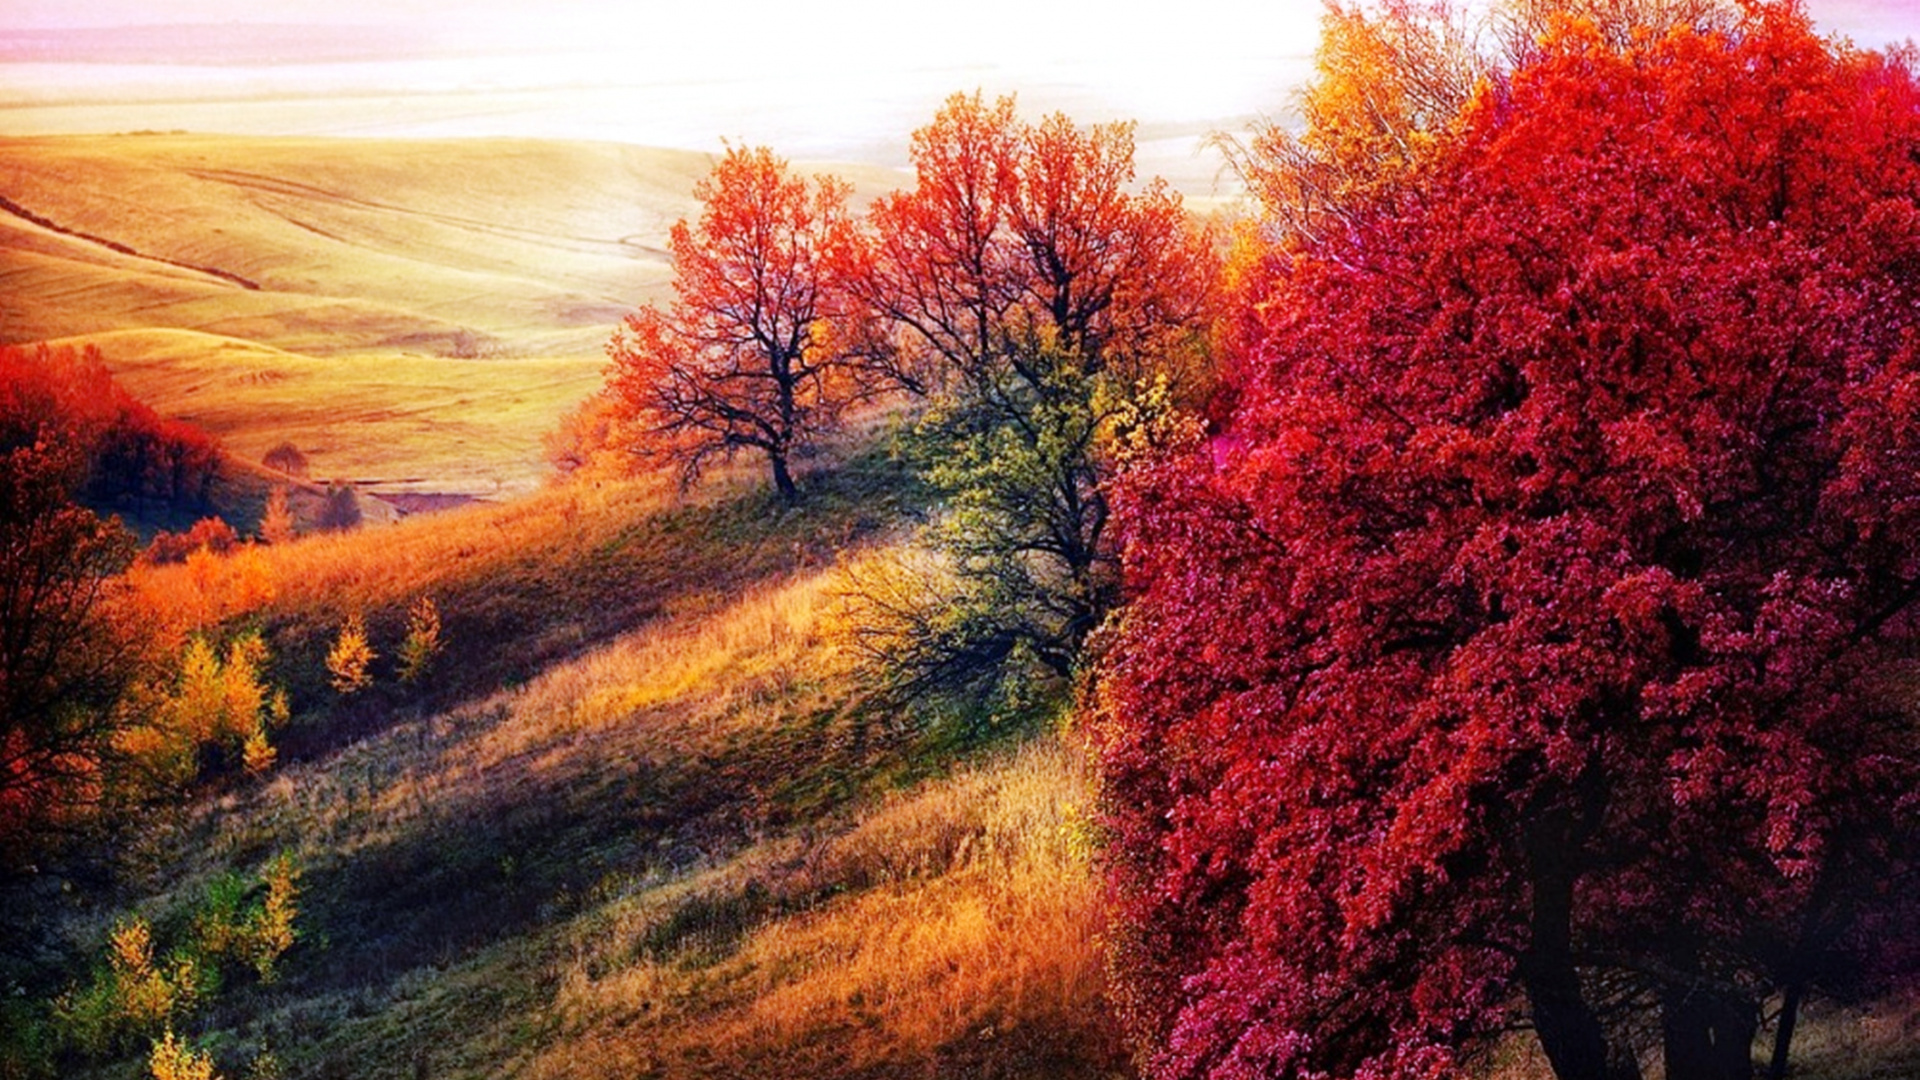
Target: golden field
(412, 314)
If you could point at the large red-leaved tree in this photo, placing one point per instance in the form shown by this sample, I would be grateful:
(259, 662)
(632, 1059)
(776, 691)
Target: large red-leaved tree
(1537, 646)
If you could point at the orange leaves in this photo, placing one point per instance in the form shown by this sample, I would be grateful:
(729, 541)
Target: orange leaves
(1387, 86)
(735, 362)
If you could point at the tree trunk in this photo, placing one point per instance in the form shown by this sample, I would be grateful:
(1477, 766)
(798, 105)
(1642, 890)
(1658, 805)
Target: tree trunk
(1783, 1038)
(1707, 1036)
(1575, 1044)
(1570, 1033)
(782, 479)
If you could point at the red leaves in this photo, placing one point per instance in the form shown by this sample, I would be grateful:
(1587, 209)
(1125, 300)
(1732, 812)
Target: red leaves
(1018, 229)
(1563, 546)
(124, 449)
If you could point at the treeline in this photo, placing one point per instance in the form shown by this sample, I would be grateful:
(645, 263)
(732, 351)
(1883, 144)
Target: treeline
(1043, 315)
(129, 456)
(102, 704)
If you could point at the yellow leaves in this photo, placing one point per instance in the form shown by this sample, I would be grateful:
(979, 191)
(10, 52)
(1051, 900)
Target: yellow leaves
(173, 1059)
(210, 701)
(1146, 424)
(143, 989)
(145, 993)
(256, 753)
(1388, 83)
(270, 931)
(350, 656)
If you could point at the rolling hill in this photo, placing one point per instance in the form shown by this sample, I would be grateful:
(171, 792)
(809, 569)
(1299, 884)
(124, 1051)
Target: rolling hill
(412, 314)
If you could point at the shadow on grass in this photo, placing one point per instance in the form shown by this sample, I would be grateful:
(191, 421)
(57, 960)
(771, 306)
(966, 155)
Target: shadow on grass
(541, 608)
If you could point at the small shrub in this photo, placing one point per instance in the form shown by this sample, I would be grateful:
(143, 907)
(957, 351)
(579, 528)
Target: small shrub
(423, 640)
(209, 534)
(212, 702)
(269, 929)
(174, 1059)
(350, 657)
(276, 522)
(132, 996)
(140, 991)
(342, 509)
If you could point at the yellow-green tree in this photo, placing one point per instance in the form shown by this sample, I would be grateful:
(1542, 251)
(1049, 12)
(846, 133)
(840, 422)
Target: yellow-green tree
(423, 642)
(350, 657)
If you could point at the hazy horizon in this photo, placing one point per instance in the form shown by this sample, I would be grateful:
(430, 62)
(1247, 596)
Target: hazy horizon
(814, 80)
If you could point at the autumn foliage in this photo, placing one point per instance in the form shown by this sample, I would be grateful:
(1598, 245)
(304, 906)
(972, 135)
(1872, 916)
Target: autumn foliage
(130, 454)
(1017, 235)
(1535, 646)
(64, 658)
(752, 353)
(1034, 294)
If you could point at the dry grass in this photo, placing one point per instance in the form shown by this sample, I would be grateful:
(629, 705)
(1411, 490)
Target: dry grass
(954, 925)
(390, 421)
(601, 872)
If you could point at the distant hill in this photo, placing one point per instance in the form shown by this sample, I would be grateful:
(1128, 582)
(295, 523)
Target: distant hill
(458, 248)
(412, 314)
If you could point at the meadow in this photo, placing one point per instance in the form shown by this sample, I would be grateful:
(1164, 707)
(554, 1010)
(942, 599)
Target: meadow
(412, 314)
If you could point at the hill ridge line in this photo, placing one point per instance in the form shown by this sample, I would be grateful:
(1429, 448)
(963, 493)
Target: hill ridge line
(25, 214)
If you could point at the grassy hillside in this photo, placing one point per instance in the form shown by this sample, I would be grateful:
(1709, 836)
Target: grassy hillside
(332, 246)
(411, 313)
(634, 824)
(386, 421)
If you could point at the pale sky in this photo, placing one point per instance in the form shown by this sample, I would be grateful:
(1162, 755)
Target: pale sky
(814, 78)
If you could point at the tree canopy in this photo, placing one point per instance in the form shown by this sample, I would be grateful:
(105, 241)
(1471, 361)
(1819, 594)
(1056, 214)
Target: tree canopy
(1535, 644)
(1034, 293)
(747, 356)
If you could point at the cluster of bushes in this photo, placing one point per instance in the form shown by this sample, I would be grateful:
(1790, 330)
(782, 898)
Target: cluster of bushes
(129, 454)
(155, 976)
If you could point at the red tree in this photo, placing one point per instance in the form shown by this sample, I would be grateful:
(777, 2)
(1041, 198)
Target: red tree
(747, 355)
(1538, 647)
(1036, 292)
(1014, 231)
(63, 661)
(129, 452)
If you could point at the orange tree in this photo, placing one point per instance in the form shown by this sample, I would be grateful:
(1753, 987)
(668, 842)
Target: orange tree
(744, 358)
(1534, 648)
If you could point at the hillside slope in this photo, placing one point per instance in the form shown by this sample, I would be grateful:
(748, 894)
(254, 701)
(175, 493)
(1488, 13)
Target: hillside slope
(412, 314)
(331, 246)
(633, 823)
